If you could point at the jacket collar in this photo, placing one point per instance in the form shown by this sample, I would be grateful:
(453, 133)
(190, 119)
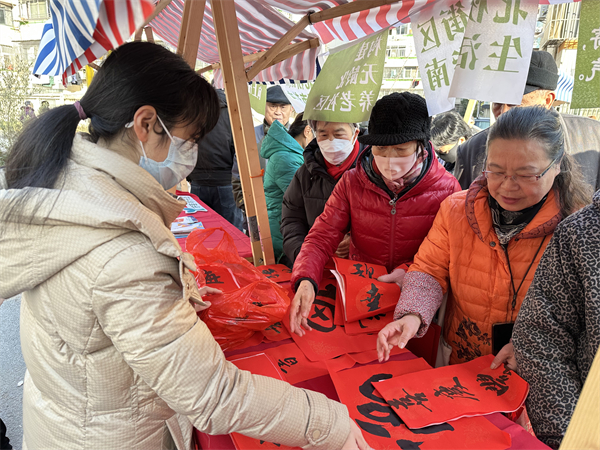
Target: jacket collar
(479, 215)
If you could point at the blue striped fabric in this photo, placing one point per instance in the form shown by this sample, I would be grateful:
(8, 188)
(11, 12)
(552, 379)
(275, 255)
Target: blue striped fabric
(67, 35)
(564, 89)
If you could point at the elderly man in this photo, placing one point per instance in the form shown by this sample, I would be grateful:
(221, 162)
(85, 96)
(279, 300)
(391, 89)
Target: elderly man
(279, 108)
(333, 152)
(582, 138)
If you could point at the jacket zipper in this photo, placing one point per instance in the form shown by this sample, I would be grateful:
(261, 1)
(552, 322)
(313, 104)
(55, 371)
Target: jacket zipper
(393, 232)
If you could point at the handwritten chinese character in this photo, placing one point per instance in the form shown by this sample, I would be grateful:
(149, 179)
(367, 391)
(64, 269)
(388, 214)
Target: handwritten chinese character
(368, 74)
(322, 102)
(362, 52)
(212, 278)
(595, 68)
(323, 322)
(278, 445)
(464, 56)
(481, 7)
(375, 46)
(361, 273)
(437, 74)
(503, 58)
(349, 77)
(270, 273)
(456, 391)
(490, 383)
(516, 12)
(596, 38)
(416, 399)
(332, 103)
(287, 362)
(456, 21)
(347, 98)
(373, 298)
(375, 317)
(275, 327)
(429, 31)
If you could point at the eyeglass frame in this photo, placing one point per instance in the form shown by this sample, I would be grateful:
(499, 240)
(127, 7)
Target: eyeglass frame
(537, 177)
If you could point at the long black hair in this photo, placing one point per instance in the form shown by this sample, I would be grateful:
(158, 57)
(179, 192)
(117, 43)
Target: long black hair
(297, 128)
(544, 126)
(134, 75)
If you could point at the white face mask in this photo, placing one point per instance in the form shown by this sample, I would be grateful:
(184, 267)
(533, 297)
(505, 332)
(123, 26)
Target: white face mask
(336, 151)
(395, 168)
(178, 164)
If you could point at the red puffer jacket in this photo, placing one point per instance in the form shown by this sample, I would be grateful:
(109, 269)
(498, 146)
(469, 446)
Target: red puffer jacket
(383, 231)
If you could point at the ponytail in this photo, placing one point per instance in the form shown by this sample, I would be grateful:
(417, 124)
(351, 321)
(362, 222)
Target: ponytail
(573, 194)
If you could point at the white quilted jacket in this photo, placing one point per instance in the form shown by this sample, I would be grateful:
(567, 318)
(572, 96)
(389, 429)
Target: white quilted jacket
(116, 355)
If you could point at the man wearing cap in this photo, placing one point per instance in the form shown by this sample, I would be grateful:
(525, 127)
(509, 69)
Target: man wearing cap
(277, 107)
(582, 137)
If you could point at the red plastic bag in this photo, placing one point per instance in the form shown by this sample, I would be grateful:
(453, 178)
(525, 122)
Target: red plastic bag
(250, 301)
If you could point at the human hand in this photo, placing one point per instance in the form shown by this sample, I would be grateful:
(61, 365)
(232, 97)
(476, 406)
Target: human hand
(355, 440)
(397, 333)
(506, 355)
(343, 250)
(300, 307)
(397, 276)
(204, 290)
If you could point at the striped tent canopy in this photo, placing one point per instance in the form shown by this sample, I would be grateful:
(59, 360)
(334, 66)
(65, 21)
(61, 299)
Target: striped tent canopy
(80, 31)
(564, 89)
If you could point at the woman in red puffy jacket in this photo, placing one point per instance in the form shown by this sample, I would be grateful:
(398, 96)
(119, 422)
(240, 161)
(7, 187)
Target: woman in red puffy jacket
(387, 203)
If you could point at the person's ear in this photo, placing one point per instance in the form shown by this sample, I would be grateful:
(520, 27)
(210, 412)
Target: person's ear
(549, 99)
(461, 140)
(143, 122)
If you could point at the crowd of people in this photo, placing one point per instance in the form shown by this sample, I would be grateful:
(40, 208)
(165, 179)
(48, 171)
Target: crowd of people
(497, 228)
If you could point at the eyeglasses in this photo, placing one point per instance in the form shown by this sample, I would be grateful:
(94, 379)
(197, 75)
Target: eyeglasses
(499, 177)
(276, 106)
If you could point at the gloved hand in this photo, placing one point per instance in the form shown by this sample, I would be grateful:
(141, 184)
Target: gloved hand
(397, 276)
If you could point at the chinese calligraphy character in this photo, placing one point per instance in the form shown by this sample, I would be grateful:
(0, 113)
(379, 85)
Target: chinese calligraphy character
(456, 21)
(347, 104)
(462, 57)
(596, 38)
(366, 101)
(481, 7)
(375, 46)
(373, 298)
(332, 102)
(456, 391)
(325, 323)
(429, 34)
(368, 271)
(497, 385)
(368, 74)
(275, 327)
(287, 362)
(595, 68)
(416, 399)
(437, 74)
(270, 273)
(349, 77)
(503, 58)
(375, 317)
(362, 52)
(278, 445)
(322, 102)
(212, 278)
(516, 13)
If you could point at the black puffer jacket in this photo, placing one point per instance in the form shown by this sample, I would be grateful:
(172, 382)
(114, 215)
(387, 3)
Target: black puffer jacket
(305, 199)
(215, 152)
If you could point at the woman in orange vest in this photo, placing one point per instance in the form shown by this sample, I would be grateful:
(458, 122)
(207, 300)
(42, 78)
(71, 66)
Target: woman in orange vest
(486, 242)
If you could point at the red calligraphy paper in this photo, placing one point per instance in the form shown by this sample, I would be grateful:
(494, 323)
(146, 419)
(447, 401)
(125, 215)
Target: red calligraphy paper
(279, 273)
(294, 365)
(276, 332)
(362, 295)
(448, 393)
(258, 364)
(369, 325)
(351, 359)
(327, 340)
(218, 276)
(384, 430)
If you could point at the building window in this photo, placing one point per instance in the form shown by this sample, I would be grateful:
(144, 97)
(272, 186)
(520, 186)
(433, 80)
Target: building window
(403, 29)
(35, 9)
(6, 15)
(395, 51)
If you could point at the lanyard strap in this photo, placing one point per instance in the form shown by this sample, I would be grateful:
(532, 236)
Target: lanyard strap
(512, 282)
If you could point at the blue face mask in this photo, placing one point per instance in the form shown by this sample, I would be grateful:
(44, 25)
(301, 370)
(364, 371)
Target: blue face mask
(178, 164)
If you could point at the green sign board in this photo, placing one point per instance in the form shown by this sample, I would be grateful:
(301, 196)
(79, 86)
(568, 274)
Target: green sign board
(348, 86)
(586, 90)
(258, 97)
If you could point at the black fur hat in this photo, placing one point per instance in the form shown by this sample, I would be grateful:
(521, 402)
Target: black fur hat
(398, 118)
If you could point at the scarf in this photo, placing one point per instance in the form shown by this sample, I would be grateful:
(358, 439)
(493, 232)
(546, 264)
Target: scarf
(508, 224)
(337, 171)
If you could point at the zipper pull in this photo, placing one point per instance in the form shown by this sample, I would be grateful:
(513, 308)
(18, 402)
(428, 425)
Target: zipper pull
(393, 204)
